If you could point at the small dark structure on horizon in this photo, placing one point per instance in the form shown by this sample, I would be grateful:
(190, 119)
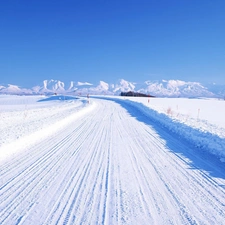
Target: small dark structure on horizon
(135, 94)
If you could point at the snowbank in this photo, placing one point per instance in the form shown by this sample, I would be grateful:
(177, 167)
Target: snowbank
(204, 129)
(24, 120)
(202, 139)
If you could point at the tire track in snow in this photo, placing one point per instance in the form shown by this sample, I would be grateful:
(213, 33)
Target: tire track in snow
(205, 193)
(185, 175)
(196, 184)
(84, 173)
(33, 176)
(34, 172)
(107, 168)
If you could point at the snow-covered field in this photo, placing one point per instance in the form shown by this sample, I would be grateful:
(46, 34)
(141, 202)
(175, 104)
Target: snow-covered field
(111, 160)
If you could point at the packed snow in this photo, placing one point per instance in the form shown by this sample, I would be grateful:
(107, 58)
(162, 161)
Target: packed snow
(111, 160)
(199, 121)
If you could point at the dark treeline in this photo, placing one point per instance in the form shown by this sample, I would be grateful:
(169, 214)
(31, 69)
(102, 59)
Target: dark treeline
(135, 94)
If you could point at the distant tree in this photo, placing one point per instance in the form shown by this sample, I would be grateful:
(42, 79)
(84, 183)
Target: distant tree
(135, 94)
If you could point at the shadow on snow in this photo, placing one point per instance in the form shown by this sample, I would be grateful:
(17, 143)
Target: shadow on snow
(58, 97)
(200, 155)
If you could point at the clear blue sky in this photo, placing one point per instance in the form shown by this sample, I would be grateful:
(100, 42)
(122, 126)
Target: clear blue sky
(79, 40)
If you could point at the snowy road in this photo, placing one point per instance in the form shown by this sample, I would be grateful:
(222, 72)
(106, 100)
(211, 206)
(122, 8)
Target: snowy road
(111, 166)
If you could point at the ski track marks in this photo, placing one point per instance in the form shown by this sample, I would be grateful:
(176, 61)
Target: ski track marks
(108, 168)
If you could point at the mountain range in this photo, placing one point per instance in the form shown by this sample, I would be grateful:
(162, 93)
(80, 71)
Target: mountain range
(164, 88)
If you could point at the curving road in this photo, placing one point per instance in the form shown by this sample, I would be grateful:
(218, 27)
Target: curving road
(111, 166)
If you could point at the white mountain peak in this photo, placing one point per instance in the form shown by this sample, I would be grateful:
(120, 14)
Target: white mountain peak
(104, 85)
(164, 88)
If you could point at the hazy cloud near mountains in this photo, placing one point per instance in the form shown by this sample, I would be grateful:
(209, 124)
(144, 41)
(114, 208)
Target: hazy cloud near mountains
(164, 88)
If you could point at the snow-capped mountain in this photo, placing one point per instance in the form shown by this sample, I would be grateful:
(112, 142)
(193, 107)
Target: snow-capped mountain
(176, 88)
(55, 86)
(164, 88)
(124, 86)
(14, 89)
(101, 88)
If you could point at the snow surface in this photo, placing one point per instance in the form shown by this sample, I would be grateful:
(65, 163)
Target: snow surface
(111, 160)
(25, 120)
(199, 121)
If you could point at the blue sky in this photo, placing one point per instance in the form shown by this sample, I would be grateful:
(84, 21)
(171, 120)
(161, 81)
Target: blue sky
(89, 41)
